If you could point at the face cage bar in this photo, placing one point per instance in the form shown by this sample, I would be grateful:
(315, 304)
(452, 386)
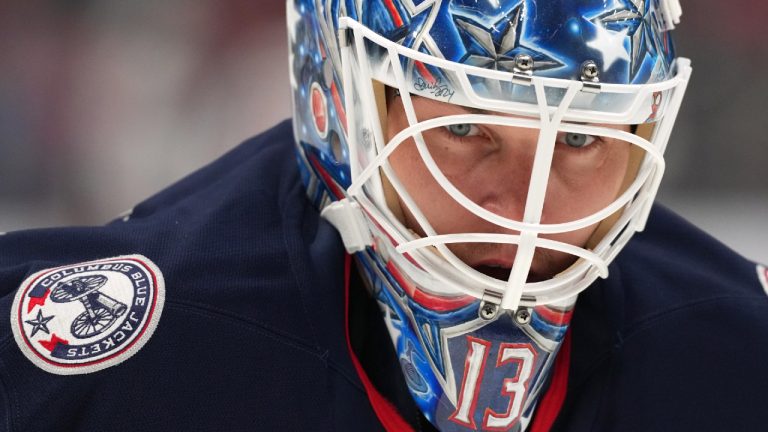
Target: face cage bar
(448, 269)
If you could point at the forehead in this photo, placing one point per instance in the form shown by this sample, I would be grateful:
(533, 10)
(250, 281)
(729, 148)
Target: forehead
(426, 106)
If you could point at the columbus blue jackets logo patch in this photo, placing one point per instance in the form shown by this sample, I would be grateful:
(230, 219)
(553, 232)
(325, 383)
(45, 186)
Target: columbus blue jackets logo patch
(85, 317)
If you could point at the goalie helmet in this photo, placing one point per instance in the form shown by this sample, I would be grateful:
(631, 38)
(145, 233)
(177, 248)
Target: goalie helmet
(484, 160)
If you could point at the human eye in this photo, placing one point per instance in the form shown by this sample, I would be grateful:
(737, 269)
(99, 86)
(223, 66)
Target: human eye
(462, 130)
(576, 140)
(466, 139)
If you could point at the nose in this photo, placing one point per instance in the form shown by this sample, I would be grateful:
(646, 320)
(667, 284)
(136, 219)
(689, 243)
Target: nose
(508, 175)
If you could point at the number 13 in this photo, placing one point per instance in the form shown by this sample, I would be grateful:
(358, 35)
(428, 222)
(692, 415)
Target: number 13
(515, 387)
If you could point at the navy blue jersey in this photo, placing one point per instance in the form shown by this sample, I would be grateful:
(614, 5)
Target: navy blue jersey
(251, 335)
(219, 305)
(673, 340)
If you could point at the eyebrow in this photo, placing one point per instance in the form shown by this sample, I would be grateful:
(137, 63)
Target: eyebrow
(474, 110)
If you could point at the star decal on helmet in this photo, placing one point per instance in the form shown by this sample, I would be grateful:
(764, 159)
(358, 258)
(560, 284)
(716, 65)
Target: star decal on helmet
(495, 47)
(610, 44)
(632, 20)
(402, 22)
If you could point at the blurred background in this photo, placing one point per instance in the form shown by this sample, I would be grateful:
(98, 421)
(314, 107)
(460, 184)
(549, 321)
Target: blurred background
(103, 103)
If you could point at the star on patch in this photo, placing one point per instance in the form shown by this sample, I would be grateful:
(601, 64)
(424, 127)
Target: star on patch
(497, 46)
(631, 21)
(40, 323)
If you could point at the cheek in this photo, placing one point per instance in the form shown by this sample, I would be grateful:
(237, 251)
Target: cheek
(443, 212)
(573, 197)
(432, 200)
(587, 186)
(547, 263)
(578, 238)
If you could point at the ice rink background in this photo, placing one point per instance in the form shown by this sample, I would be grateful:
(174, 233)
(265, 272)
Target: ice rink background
(104, 102)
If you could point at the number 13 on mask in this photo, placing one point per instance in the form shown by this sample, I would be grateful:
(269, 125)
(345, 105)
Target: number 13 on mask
(514, 387)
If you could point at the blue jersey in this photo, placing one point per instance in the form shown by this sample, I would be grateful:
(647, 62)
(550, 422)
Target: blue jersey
(220, 305)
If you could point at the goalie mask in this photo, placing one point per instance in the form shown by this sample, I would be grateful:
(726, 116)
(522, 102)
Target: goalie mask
(484, 160)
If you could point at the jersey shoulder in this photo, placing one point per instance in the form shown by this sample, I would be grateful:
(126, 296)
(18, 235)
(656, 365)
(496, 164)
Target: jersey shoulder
(227, 283)
(669, 340)
(222, 226)
(673, 265)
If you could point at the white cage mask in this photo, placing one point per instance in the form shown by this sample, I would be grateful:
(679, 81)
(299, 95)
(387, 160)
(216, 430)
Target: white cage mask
(527, 179)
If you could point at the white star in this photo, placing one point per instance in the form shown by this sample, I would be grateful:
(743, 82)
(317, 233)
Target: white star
(294, 20)
(610, 44)
(293, 17)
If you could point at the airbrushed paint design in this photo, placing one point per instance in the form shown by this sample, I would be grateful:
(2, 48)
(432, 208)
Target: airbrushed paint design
(623, 37)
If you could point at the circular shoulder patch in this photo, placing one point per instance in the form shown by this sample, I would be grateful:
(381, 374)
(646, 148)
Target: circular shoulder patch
(85, 317)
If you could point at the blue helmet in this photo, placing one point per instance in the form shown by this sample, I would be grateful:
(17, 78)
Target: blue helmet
(402, 109)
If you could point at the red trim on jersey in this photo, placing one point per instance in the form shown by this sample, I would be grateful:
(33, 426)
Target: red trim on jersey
(553, 399)
(385, 411)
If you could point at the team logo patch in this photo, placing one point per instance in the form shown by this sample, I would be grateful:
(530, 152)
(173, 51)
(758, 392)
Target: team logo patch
(762, 274)
(85, 317)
